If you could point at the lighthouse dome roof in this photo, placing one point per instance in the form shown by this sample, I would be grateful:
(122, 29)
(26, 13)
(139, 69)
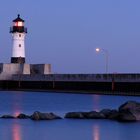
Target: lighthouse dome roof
(18, 19)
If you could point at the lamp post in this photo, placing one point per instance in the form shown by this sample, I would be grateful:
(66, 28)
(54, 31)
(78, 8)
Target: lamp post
(107, 56)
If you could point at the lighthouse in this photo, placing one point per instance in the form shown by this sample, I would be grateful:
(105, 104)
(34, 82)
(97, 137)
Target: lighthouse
(18, 35)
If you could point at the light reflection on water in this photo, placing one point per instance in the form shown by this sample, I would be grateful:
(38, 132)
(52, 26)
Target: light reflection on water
(28, 102)
(16, 132)
(96, 101)
(96, 132)
(16, 104)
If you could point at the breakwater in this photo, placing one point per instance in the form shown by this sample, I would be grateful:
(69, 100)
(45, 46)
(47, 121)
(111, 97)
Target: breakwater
(73, 82)
(127, 112)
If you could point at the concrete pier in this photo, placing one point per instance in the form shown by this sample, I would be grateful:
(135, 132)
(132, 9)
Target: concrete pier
(88, 83)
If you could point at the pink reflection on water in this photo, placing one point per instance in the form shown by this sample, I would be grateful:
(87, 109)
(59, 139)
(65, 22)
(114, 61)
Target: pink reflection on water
(96, 132)
(16, 132)
(17, 108)
(16, 128)
(96, 99)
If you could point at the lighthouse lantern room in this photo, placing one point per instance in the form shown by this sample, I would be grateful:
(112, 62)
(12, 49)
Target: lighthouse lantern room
(18, 33)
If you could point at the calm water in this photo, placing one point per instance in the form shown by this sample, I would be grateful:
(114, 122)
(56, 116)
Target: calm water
(28, 102)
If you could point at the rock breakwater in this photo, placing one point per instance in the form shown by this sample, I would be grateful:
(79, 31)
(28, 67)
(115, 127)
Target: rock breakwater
(127, 112)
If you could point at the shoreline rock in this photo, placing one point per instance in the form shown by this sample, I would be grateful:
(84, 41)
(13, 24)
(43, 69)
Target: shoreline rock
(44, 116)
(127, 112)
(85, 115)
(110, 113)
(23, 116)
(7, 117)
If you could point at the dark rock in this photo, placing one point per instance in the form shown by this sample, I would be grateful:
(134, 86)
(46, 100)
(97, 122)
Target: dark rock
(126, 116)
(129, 111)
(44, 116)
(110, 114)
(106, 112)
(7, 117)
(23, 116)
(75, 115)
(94, 115)
(114, 114)
(85, 115)
(130, 105)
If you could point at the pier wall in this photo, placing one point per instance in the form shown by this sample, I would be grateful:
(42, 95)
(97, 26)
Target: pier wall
(73, 82)
(78, 77)
(24, 69)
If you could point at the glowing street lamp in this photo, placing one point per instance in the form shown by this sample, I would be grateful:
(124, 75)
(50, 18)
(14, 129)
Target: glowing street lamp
(97, 49)
(107, 55)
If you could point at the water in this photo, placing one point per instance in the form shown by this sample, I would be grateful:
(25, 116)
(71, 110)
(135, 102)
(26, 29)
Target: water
(65, 129)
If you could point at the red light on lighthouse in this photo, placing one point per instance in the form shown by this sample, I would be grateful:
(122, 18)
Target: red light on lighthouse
(18, 24)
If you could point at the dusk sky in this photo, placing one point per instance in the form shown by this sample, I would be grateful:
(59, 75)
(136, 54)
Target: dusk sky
(65, 34)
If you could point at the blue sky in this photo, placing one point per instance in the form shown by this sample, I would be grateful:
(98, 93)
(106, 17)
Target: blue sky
(65, 33)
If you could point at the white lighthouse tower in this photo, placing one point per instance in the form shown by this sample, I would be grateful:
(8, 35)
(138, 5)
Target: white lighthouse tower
(18, 32)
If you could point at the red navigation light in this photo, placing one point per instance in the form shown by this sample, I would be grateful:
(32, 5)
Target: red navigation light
(18, 24)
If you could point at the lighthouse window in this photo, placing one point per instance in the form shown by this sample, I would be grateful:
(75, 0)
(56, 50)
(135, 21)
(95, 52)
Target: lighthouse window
(19, 35)
(19, 45)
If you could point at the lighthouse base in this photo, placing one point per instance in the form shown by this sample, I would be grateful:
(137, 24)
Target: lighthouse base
(19, 60)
